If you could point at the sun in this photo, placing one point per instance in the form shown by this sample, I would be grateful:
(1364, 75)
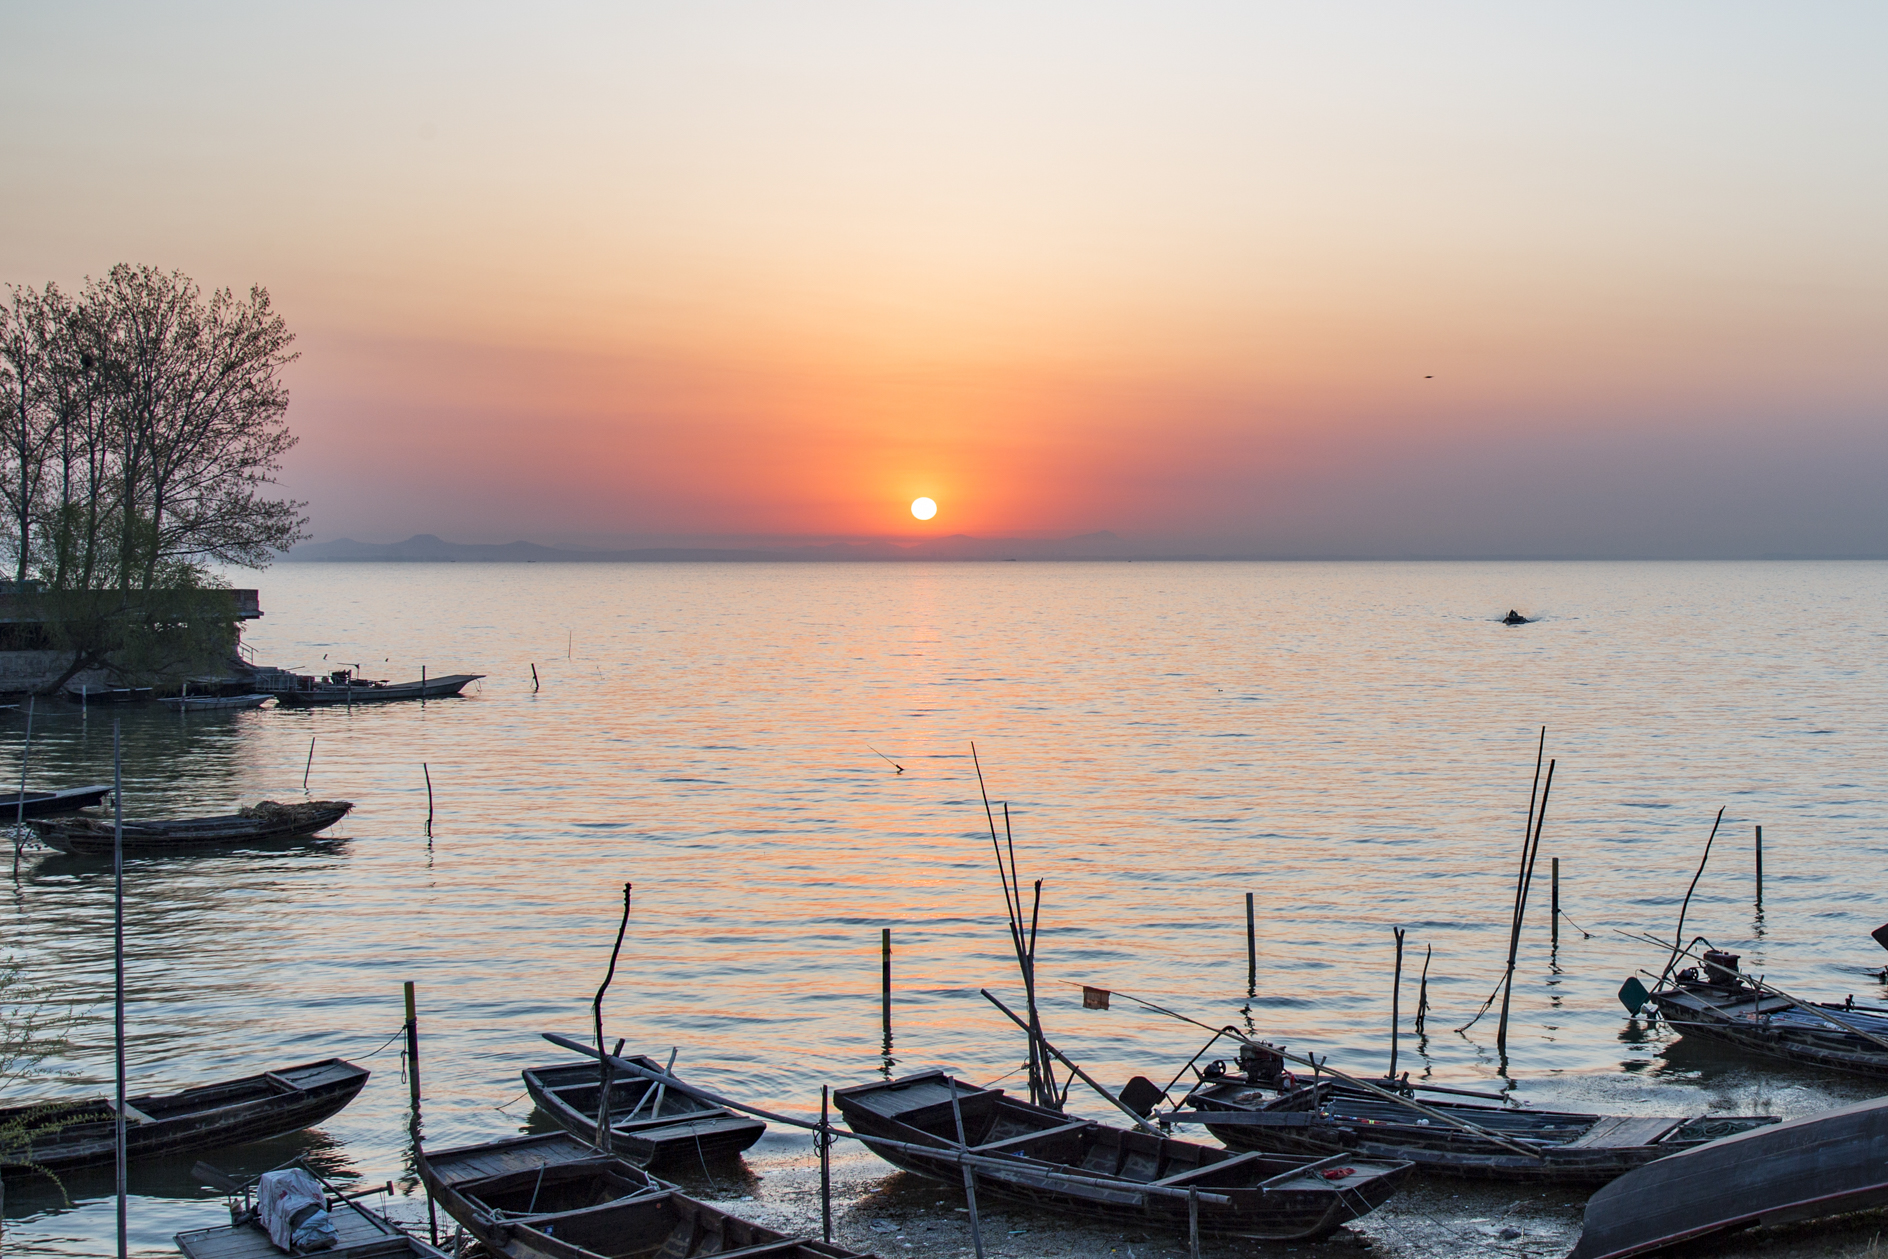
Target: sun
(923, 508)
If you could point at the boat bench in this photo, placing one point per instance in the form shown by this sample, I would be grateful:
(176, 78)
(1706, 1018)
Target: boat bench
(1250, 1156)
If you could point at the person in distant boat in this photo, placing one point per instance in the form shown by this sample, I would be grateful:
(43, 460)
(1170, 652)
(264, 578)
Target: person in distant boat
(1513, 618)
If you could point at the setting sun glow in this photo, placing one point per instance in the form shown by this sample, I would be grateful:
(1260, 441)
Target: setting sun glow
(923, 508)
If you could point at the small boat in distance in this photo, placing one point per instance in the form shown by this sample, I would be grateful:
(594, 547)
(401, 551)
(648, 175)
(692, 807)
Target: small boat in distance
(48, 803)
(1265, 1108)
(259, 823)
(1514, 618)
(1818, 1165)
(84, 1133)
(211, 703)
(553, 1196)
(342, 687)
(651, 1123)
(1719, 1002)
(1027, 1154)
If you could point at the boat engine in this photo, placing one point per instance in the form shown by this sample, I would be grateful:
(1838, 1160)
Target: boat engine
(1262, 1064)
(1720, 968)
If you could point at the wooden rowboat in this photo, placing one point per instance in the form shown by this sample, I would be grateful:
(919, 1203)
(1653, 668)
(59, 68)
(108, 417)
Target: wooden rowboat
(1038, 1157)
(362, 1233)
(1721, 1003)
(90, 836)
(555, 1197)
(48, 803)
(651, 1124)
(344, 689)
(84, 1133)
(212, 703)
(1819, 1165)
(1265, 1109)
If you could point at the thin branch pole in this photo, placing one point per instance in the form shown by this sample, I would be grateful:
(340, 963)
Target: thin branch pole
(311, 762)
(606, 1061)
(1140, 1121)
(1422, 990)
(1679, 934)
(825, 1138)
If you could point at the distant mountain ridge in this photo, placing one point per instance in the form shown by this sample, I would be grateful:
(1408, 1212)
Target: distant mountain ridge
(429, 548)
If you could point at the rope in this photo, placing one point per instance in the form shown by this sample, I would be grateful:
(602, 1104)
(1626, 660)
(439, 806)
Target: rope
(396, 1036)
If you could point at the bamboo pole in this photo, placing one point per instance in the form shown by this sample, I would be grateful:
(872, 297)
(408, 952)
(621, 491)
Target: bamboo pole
(825, 1139)
(118, 978)
(1139, 1120)
(311, 762)
(1554, 931)
(413, 1095)
(1759, 856)
(885, 981)
(1252, 949)
(970, 1179)
(19, 820)
(1531, 852)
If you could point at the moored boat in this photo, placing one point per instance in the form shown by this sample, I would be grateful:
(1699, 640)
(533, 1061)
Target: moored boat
(259, 823)
(553, 1196)
(360, 1233)
(50, 803)
(1719, 1002)
(84, 1133)
(212, 703)
(1028, 1154)
(651, 1123)
(1265, 1108)
(342, 687)
(1818, 1165)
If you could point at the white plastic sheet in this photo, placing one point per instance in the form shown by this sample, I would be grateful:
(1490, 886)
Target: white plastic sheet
(294, 1210)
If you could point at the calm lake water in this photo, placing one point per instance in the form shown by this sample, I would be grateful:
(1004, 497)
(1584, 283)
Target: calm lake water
(1351, 743)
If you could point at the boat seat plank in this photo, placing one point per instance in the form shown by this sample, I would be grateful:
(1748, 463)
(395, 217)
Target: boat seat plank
(1623, 1132)
(1026, 1137)
(1250, 1156)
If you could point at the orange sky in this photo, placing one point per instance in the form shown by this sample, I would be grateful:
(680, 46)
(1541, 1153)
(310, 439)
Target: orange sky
(1261, 279)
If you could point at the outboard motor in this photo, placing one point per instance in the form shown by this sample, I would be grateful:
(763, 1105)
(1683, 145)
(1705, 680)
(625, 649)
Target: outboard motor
(1262, 1064)
(1720, 968)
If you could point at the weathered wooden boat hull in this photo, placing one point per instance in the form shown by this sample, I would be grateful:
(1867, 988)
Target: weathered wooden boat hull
(363, 1234)
(1815, 1166)
(212, 703)
(1326, 1119)
(94, 836)
(1095, 1170)
(51, 803)
(688, 1131)
(555, 1197)
(1776, 1026)
(250, 1109)
(328, 694)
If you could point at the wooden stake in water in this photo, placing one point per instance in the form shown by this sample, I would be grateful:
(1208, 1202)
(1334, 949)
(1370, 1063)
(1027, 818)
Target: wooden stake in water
(19, 821)
(427, 770)
(885, 981)
(534, 678)
(824, 1137)
(1252, 949)
(1396, 999)
(1422, 990)
(970, 1180)
(413, 1095)
(1530, 854)
(1193, 1221)
(311, 762)
(1759, 857)
(118, 970)
(1554, 932)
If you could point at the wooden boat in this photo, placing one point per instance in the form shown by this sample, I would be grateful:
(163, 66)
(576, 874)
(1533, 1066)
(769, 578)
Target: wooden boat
(1721, 1003)
(651, 1124)
(1038, 1157)
(364, 1234)
(48, 803)
(555, 1197)
(1819, 1165)
(341, 687)
(1265, 1109)
(83, 1134)
(259, 823)
(109, 694)
(212, 703)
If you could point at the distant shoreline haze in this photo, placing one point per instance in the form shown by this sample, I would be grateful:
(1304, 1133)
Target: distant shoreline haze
(429, 548)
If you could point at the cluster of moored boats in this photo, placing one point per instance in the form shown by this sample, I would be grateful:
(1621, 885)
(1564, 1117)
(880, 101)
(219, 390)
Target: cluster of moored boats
(1298, 1154)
